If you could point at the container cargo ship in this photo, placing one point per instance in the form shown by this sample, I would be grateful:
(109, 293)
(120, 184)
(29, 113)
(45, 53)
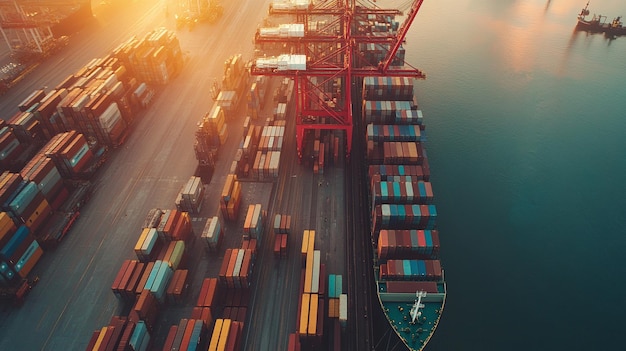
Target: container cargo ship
(410, 281)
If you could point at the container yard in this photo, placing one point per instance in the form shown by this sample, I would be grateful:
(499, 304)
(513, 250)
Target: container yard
(237, 239)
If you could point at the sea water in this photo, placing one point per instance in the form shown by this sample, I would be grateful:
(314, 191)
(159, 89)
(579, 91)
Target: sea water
(526, 126)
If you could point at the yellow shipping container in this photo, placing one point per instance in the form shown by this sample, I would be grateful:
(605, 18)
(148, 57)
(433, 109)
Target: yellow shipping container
(308, 273)
(221, 346)
(7, 227)
(142, 238)
(304, 314)
(305, 243)
(313, 314)
(311, 246)
(215, 337)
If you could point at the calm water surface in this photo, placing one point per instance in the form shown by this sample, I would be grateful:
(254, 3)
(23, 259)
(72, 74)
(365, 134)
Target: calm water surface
(527, 141)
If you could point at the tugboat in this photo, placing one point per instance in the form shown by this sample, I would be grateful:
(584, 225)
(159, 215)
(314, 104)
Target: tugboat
(597, 23)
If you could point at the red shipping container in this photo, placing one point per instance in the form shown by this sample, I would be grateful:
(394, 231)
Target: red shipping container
(207, 317)
(134, 279)
(144, 277)
(169, 341)
(187, 335)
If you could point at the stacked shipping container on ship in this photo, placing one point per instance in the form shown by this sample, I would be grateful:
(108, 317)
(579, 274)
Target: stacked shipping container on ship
(408, 244)
(389, 117)
(403, 216)
(230, 200)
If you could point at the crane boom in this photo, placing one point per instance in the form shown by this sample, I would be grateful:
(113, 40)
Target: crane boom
(402, 31)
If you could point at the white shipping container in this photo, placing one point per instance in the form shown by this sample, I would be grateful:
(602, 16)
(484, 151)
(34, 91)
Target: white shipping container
(274, 163)
(110, 117)
(343, 308)
(315, 282)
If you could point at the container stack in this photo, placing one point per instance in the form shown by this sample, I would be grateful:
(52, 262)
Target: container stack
(189, 334)
(231, 198)
(42, 171)
(226, 335)
(400, 172)
(121, 334)
(285, 30)
(213, 233)
(209, 302)
(413, 270)
(190, 197)
(145, 309)
(211, 132)
(70, 153)
(93, 101)
(267, 159)
(253, 224)
(271, 138)
(403, 216)
(310, 319)
(280, 111)
(23, 200)
(236, 269)
(282, 227)
(155, 59)
(19, 251)
(256, 96)
(178, 286)
(375, 52)
(408, 244)
(101, 98)
(160, 251)
(335, 290)
(325, 149)
(400, 192)
(13, 152)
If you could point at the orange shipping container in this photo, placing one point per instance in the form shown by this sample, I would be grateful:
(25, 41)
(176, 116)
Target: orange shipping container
(312, 329)
(304, 314)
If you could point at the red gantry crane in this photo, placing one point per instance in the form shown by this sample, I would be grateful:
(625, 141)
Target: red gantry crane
(337, 45)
